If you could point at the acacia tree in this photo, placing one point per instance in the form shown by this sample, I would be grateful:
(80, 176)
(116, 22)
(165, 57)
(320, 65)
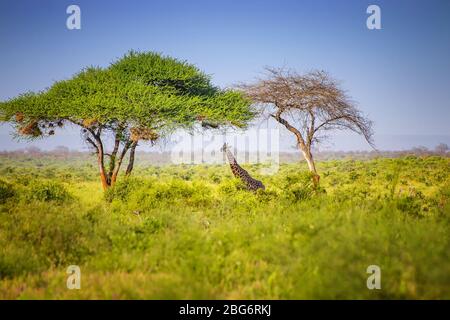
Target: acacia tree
(308, 105)
(140, 97)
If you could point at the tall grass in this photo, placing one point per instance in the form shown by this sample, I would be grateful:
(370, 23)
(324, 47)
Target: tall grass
(195, 232)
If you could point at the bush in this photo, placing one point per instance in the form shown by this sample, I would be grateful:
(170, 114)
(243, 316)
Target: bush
(135, 194)
(231, 186)
(43, 235)
(408, 204)
(6, 191)
(298, 186)
(16, 260)
(120, 190)
(47, 191)
(125, 188)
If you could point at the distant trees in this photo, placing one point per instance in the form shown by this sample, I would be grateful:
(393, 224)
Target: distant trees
(308, 105)
(421, 150)
(140, 97)
(442, 148)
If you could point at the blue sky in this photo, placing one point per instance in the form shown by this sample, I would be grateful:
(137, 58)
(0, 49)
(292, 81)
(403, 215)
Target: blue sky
(400, 75)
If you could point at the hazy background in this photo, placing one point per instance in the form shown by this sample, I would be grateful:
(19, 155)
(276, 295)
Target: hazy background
(400, 75)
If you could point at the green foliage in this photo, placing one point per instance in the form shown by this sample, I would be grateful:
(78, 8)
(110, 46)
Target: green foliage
(6, 191)
(168, 73)
(123, 189)
(193, 232)
(231, 186)
(298, 186)
(50, 236)
(141, 90)
(145, 194)
(47, 191)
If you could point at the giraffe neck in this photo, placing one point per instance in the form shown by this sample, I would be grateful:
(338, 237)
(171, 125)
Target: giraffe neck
(231, 158)
(235, 167)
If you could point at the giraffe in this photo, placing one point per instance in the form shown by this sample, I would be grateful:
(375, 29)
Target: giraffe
(251, 183)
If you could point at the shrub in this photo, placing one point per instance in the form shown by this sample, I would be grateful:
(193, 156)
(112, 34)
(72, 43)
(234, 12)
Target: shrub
(42, 235)
(298, 186)
(16, 260)
(408, 205)
(120, 191)
(125, 187)
(6, 191)
(47, 191)
(231, 186)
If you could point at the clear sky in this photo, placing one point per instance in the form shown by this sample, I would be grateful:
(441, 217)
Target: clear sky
(399, 75)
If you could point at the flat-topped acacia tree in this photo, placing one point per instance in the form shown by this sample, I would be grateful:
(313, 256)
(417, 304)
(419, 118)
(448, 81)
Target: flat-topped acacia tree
(141, 97)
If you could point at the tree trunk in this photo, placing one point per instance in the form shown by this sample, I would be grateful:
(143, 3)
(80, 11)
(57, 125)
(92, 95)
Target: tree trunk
(304, 146)
(131, 161)
(311, 165)
(112, 160)
(119, 162)
(101, 166)
(98, 146)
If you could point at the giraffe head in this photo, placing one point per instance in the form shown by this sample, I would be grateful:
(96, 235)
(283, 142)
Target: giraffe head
(224, 147)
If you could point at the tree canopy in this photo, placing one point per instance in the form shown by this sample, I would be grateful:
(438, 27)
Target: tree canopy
(140, 97)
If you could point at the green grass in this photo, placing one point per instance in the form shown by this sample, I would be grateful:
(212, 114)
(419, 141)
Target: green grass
(199, 235)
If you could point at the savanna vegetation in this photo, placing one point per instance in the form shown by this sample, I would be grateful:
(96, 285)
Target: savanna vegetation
(193, 231)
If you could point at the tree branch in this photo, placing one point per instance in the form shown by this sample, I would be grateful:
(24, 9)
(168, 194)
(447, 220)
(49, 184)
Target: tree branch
(119, 161)
(131, 161)
(327, 122)
(311, 131)
(92, 143)
(297, 133)
(112, 160)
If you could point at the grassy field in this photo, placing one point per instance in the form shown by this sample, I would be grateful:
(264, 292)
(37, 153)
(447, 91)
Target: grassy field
(193, 232)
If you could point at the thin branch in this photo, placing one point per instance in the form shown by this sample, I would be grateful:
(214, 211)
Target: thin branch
(297, 133)
(92, 143)
(118, 164)
(131, 161)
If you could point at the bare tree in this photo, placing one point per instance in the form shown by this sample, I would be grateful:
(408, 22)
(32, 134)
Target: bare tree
(308, 105)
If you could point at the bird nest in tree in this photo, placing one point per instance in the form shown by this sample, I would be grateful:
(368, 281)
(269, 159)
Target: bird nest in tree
(31, 129)
(143, 134)
(19, 117)
(88, 123)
